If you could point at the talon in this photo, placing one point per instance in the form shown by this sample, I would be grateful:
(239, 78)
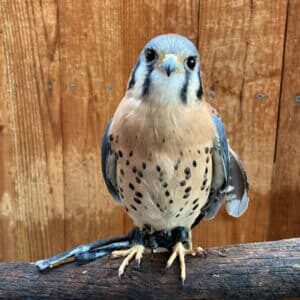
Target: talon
(180, 251)
(135, 251)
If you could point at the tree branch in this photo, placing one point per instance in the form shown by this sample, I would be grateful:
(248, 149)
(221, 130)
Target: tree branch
(269, 270)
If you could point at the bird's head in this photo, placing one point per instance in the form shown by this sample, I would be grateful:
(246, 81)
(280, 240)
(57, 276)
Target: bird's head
(167, 71)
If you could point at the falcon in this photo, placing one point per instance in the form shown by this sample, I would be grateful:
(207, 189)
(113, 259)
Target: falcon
(165, 158)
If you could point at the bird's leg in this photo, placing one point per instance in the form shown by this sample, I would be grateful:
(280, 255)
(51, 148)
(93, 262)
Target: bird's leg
(136, 251)
(179, 250)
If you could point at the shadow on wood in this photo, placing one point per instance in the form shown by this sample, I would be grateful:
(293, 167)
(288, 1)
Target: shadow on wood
(269, 270)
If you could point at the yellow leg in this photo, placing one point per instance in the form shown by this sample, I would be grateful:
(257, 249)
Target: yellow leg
(180, 251)
(135, 251)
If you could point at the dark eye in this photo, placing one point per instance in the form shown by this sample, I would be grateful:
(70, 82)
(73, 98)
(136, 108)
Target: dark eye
(191, 62)
(150, 55)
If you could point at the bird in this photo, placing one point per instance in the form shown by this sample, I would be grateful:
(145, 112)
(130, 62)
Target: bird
(165, 158)
(165, 154)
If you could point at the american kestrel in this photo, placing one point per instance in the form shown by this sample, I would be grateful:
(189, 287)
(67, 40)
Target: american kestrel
(165, 155)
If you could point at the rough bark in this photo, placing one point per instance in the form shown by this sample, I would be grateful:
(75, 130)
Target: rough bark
(269, 270)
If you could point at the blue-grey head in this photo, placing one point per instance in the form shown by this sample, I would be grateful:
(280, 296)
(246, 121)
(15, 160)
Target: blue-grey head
(167, 71)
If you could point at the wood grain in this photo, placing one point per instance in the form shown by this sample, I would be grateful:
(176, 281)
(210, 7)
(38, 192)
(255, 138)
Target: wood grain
(251, 271)
(35, 201)
(242, 46)
(285, 205)
(64, 69)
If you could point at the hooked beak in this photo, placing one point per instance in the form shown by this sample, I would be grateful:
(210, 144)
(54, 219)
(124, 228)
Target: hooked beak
(169, 63)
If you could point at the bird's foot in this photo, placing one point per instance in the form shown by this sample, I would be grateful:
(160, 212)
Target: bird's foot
(135, 251)
(180, 251)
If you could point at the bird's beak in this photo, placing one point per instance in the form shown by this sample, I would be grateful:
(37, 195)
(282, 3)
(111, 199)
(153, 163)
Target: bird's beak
(169, 63)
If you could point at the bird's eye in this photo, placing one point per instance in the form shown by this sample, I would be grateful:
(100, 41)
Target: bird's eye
(150, 55)
(191, 62)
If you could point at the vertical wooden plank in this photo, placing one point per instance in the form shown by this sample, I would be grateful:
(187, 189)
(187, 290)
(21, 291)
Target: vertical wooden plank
(7, 226)
(242, 45)
(90, 47)
(285, 204)
(33, 166)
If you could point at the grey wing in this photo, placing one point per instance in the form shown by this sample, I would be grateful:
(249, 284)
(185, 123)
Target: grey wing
(109, 165)
(220, 158)
(237, 198)
(229, 180)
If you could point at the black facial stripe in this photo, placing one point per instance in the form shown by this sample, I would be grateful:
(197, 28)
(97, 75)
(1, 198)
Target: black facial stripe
(147, 81)
(183, 93)
(200, 89)
(132, 79)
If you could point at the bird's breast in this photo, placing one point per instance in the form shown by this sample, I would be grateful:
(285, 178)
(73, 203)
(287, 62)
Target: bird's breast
(164, 165)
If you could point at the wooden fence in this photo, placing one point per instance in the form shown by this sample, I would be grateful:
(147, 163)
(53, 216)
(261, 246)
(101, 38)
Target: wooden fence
(64, 68)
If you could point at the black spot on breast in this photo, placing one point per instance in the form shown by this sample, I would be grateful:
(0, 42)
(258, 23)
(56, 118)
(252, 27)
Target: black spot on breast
(191, 213)
(196, 200)
(137, 200)
(186, 196)
(127, 162)
(207, 189)
(163, 141)
(196, 206)
(188, 189)
(187, 170)
(181, 209)
(158, 168)
(198, 151)
(122, 172)
(131, 186)
(138, 180)
(120, 153)
(111, 138)
(126, 209)
(177, 215)
(161, 179)
(183, 183)
(130, 153)
(121, 189)
(186, 202)
(134, 169)
(140, 173)
(165, 185)
(181, 153)
(206, 171)
(161, 174)
(122, 196)
(206, 150)
(157, 204)
(207, 159)
(144, 165)
(139, 194)
(204, 182)
(202, 188)
(167, 193)
(133, 207)
(170, 201)
(188, 176)
(194, 164)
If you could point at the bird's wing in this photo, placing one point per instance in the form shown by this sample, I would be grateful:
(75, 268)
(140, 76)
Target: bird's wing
(109, 165)
(236, 192)
(229, 177)
(220, 157)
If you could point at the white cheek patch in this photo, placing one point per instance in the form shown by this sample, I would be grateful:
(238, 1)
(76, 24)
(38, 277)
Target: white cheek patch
(166, 89)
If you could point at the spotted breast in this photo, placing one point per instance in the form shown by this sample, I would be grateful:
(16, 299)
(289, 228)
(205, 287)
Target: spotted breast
(164, 171)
